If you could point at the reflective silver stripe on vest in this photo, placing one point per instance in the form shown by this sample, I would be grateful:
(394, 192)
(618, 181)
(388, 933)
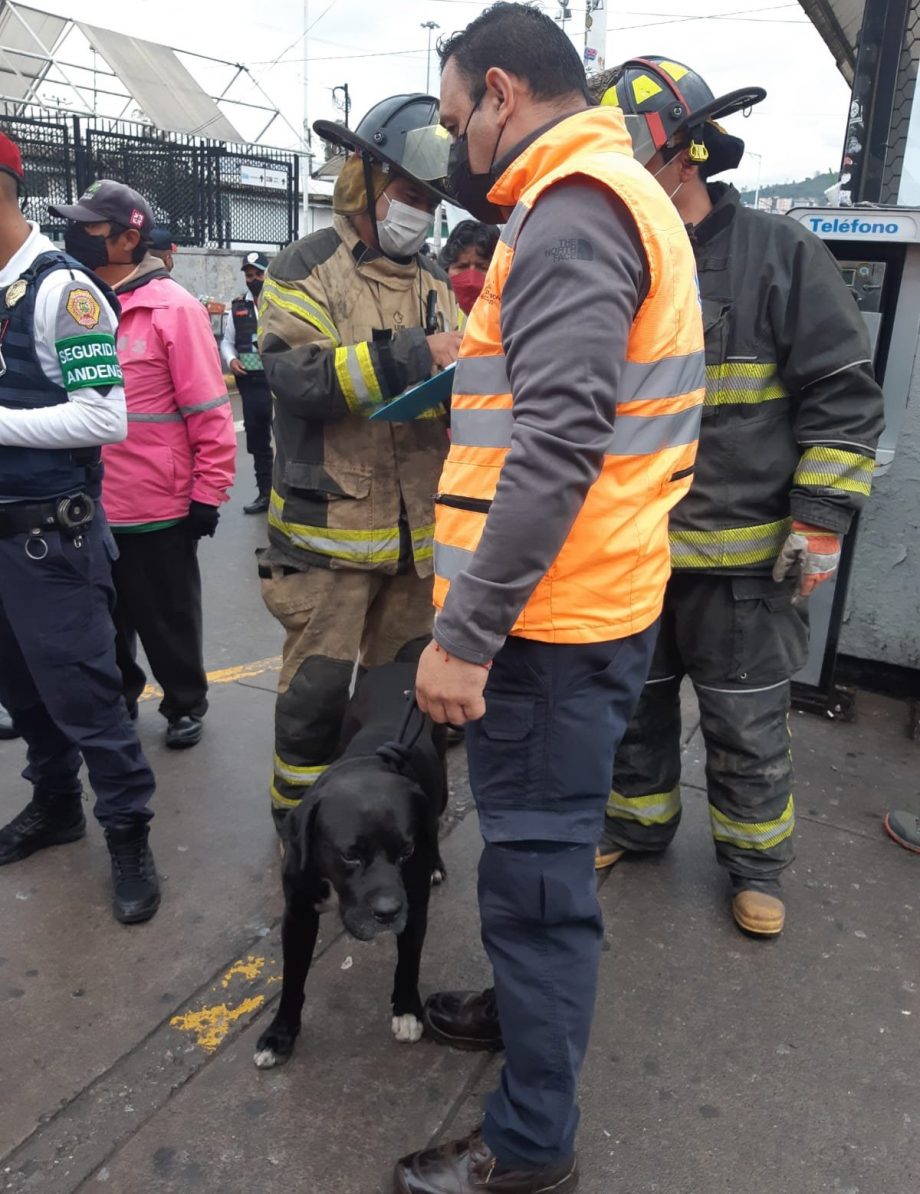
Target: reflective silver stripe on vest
(633, 435)
(667, 378)
(172, 417)
(198, 407)
(636, 435)
(449, 561)
(481, 428)
(481, 375)
(512, 228)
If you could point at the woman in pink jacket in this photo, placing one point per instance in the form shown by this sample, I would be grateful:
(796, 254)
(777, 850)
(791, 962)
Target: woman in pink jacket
(164, 484)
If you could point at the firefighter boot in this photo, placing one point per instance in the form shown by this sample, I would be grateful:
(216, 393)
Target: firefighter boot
(609, 851)
(757, 906)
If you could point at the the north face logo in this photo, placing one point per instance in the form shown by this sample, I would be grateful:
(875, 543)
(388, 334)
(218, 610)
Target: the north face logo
(571, 249)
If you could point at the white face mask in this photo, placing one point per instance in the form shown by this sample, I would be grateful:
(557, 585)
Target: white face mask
(679, 185)
(403, 230)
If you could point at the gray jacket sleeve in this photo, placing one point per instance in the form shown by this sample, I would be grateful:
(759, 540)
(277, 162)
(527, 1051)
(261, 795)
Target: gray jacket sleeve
(577, 279)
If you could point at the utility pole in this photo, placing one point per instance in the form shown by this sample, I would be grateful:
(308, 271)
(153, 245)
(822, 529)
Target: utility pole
(307, 140)
(346, 101)
(306, 91)
(430, 26)
(759, 158)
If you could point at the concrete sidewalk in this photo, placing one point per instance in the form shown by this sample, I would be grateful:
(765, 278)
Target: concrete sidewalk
(717, 1063)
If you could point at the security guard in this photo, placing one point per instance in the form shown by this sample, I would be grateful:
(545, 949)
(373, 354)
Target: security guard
(61, 397)
(240, 354)
(790, 426)
(351, 316)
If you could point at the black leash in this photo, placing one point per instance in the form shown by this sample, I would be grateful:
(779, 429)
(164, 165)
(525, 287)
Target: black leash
(398, 752)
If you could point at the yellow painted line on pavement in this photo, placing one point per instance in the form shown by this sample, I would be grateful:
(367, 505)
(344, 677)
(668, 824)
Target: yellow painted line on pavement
(211, 1023)
(226, 675)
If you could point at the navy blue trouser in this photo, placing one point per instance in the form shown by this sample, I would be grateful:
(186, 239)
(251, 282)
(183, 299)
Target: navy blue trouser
(58, 676)
(540, 763)
(256, 398)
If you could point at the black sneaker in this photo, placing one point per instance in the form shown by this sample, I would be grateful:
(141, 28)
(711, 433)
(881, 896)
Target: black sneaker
(135, 885)
(45, 821)
(183, 732)
(259, 506)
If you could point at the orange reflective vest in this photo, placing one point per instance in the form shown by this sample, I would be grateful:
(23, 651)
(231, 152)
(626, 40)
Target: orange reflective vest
(609, 578)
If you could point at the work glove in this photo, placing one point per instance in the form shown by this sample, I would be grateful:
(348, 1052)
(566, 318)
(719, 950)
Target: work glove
(811, 555)
(202, 520)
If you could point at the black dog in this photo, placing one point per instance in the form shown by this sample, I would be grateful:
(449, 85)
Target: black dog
(366, 839)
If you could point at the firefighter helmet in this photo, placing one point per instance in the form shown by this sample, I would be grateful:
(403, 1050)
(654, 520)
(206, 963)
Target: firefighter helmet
(401, 133)
(668, 106)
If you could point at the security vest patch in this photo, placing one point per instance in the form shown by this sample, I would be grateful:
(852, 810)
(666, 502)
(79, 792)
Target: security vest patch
(84, 308)
(89, 361)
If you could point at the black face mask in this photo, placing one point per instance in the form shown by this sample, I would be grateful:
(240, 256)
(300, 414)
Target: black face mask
(471, 190)
(89, 250)
(255, 287)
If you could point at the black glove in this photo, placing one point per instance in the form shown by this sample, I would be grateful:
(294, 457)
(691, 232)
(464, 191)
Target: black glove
(202, 520)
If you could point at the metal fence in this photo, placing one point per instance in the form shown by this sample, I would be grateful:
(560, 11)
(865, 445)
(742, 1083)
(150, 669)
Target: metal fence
(207, 193)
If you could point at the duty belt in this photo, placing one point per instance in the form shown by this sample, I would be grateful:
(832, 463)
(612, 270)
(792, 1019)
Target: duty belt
(70, 515)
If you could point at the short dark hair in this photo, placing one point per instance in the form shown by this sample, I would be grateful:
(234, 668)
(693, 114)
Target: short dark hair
(467, 234)
(523, 41)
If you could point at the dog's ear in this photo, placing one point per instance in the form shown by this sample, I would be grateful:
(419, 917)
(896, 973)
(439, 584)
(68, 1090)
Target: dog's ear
(297, 834)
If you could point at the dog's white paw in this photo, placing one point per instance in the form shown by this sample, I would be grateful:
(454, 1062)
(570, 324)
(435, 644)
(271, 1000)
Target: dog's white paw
(407, 1029)
(266, 1058)
(437, 877)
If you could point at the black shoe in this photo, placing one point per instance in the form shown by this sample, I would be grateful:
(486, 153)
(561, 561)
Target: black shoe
(259, 506)
(183, 732)
(45, 821)
(7, 730)
(465, 1166)
(135, 885)
(464, 1019)
(133, 711)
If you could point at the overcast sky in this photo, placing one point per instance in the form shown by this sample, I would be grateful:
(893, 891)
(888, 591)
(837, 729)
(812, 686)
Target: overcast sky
(379, 48)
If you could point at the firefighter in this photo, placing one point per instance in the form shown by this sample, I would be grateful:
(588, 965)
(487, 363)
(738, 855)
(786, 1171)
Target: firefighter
(790, 426)
(350, 317)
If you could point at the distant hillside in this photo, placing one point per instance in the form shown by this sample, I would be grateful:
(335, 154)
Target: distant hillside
(808, 188)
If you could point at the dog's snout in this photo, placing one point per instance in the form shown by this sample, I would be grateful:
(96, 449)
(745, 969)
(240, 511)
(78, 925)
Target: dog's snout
(386, 909)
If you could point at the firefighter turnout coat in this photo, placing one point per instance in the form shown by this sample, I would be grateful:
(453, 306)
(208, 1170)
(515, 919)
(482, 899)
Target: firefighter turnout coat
(340, 332)
(793, 412)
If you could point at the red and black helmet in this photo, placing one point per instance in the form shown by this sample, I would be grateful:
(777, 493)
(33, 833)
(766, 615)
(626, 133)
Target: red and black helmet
(668, 106)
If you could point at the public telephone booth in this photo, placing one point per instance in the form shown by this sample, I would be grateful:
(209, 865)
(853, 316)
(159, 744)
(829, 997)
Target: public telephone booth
(878, 252)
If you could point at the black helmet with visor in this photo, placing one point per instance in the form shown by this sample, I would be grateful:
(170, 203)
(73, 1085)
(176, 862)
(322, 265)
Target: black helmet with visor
(667, 105)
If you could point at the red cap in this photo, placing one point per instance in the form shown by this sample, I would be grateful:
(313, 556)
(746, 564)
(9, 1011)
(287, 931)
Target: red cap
(10, 157)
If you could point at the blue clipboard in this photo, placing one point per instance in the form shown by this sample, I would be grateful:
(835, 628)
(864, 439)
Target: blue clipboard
(415, 401)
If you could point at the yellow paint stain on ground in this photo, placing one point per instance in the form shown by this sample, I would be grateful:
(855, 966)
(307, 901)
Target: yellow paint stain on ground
(249, 970)
(210, 1025)
(226, 675)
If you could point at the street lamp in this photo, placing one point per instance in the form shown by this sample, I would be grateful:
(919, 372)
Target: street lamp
(430, 26)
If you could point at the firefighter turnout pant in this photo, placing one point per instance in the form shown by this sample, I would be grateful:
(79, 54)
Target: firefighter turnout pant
(333, 619)
(739, 639)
